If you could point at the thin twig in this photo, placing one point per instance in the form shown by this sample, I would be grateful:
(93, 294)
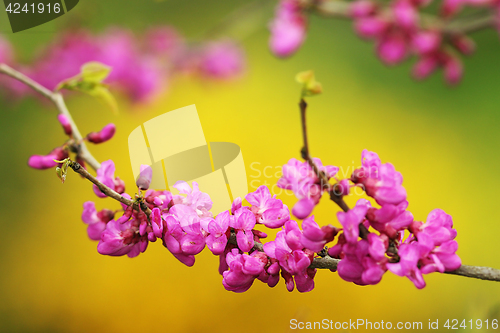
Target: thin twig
(58, 100)
(76, 167)
(341, 9)
(320, 174)
(476, 272)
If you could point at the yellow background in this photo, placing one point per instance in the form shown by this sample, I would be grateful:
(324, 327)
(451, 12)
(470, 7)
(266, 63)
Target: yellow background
(444, 141)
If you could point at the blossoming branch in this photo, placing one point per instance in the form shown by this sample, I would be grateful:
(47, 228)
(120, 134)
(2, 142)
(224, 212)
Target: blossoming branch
(373, 238)
(400, 29)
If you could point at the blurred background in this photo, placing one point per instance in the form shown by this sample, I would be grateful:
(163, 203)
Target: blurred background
(445, 142)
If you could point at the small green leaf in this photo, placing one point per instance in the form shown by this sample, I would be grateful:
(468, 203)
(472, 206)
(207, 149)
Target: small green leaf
(60, 174)
(310, 86)
(95, 72)
(90, 81)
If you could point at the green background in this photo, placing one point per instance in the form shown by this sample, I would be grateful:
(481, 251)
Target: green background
(444, 141)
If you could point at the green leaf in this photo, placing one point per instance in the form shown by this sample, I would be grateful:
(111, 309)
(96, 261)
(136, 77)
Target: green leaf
(90, 81)
(310, 86)
(105, 95)
(95, 72)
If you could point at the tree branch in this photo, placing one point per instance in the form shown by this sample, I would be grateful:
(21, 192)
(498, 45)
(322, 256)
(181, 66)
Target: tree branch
(341, 9)
(76, 167)
(58, 100)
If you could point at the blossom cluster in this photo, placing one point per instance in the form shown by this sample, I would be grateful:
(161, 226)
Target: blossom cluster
(397, 30)
(371, 240)
(142, 65)
(397, 243)
(374, 237)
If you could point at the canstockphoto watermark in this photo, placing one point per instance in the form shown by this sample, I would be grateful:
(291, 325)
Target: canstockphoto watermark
(328, 324)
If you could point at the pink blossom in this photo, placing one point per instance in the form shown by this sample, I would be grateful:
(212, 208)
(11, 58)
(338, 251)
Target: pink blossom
(217, 240)
(195, 199)
(364, 261)
(315, 238)
(301, 179)
(370, 27)
(236, 205)
(407, 265)
(288, 29)
(47, 161)
(164, 41)
(96, 221)
(157, 222)
(362, 8)
(453, 70)
(105, 134)
(121, 238)
(425, 42)
(381, 181)
(439, 227)
(243, 222)
(351, 220)
(390, 219)
(243, 270)
(425, 66)
(292, 261)
(222, 60)
(267, 209)
(106, 175)
(392, 48)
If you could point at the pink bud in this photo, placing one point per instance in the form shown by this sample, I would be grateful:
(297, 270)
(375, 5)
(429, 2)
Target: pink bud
(303, 208)
(464, 44)
(392, 49)
(119, 185)
(426, 41)
(157, 201)
(103, 135)
(222, 60)
(362, 8)
(145, 176)
(65, 124)
(370, 27)
(424, 67)
(288, 29)
(163, 40)
(405, 14)
(453, 70)
(343, 187)
(451, 7)
(47, 161)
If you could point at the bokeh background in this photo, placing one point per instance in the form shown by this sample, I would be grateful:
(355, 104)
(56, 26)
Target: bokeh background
(444, 141)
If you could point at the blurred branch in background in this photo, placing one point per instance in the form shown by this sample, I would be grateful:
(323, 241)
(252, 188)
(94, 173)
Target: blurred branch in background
(400, 29)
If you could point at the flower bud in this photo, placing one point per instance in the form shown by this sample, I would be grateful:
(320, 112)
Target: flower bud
(425, 67)
(145, 177)
(103, 135)
(47, 161)
(362, 8)
(370, 27)
(392, 49)
(464, 44)
(65, 124)
(426, 42)
(453, 70)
